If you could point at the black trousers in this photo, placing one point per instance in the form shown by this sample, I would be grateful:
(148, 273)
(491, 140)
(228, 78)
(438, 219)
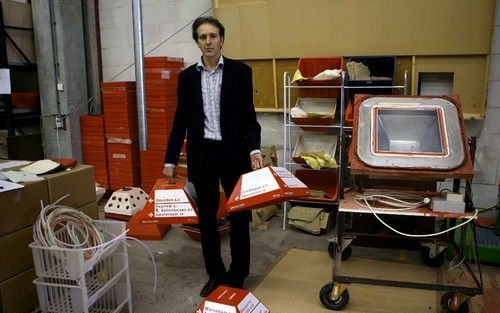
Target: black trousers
(215, 169)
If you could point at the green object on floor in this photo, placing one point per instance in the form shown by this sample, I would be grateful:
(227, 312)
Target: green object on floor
(497, 228)
(488, 244)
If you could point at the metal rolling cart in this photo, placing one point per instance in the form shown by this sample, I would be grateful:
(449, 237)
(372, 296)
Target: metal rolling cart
(459, 281)
(335, 295)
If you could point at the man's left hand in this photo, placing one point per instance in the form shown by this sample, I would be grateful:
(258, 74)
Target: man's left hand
(257, 161)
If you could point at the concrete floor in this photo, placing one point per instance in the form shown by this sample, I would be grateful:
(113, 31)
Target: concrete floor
(181, 273)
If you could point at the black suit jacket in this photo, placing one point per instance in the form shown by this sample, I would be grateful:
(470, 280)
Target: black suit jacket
(239, 127)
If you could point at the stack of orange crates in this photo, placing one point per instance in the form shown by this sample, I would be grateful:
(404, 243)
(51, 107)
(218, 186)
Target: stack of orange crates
(120, 114)
(161, 75)
(94, 147)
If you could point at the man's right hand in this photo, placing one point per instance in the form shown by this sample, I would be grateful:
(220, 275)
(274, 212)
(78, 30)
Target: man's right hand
(170, 174)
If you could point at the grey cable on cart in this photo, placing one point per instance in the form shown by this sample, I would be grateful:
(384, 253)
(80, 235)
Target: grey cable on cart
(402, 205)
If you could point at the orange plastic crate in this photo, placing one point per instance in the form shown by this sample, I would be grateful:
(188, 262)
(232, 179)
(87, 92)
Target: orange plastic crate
(26, 100)
(163, 61)
(324, 180)
(310, 67)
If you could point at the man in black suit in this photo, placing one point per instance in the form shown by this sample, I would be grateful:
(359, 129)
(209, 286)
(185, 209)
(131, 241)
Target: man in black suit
(215, 111)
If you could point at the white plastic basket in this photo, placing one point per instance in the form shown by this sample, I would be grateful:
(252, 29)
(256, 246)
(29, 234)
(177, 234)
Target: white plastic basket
(56, 298)
(63, 263)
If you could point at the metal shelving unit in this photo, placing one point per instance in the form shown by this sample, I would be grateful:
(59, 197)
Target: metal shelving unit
(337, 128)
(10, 118)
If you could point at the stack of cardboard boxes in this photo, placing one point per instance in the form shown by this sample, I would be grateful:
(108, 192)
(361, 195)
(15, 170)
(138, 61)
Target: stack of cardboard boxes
(19, 209)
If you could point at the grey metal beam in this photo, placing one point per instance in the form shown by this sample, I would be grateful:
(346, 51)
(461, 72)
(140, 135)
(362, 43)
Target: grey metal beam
(60, 52)
(139, 74)
(92, 54)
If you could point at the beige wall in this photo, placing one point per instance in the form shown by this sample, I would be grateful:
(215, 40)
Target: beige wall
(436, 35)
(293, 28)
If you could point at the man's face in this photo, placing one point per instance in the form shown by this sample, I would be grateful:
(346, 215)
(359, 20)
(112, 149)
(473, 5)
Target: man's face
(209, 41)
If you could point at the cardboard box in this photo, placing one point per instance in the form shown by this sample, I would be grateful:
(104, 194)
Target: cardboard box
(20, 208)
(79, 182)
(266, 186)
(15, 255)
(18, 294)
(90, 209)
(174, 204)
(231, 300)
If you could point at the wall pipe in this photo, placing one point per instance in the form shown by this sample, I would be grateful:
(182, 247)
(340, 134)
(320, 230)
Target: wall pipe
(139, 74)
(55, 54)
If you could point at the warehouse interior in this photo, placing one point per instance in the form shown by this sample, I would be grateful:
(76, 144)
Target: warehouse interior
(408, 108)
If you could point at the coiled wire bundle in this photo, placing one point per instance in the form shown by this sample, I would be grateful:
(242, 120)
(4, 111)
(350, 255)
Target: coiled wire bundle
(60, 226)
(61, 231)
(394, 201)
(64, 227)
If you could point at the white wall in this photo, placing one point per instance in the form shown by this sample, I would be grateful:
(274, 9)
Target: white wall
(487, 165)
(166, 32)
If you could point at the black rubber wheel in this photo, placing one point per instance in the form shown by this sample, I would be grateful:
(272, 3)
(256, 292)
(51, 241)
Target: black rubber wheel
(346, 254)
(446, 304)
(436, 261)
(339, 304)
(331, 248)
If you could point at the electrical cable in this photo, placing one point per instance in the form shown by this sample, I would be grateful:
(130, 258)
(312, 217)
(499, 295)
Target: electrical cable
(79, 231)
(418, 235)
(57, 138)
(56, 220)
(396, 204)
(152, 259)
(454, 263)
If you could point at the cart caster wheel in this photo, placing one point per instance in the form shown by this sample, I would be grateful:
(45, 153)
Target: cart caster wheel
(345, 254)
(336, 305)
(436, 261)
(446, 303)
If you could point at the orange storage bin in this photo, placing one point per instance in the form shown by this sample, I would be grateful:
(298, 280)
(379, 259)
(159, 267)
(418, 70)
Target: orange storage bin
(26, 100)
(324, 180)
(349, 113)
(310, 67)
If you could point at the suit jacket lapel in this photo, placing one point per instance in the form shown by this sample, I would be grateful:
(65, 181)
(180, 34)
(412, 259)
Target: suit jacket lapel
(197, 84)
(227, 79)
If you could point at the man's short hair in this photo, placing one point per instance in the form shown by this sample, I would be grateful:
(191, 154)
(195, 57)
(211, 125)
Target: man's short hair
(207, 20)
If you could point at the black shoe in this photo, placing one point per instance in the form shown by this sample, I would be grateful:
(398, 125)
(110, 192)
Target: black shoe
(236, 282)
(209, 287)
